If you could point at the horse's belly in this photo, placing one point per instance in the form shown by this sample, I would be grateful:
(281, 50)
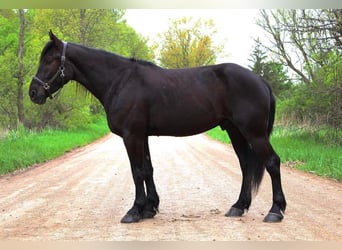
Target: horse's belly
(183, 124)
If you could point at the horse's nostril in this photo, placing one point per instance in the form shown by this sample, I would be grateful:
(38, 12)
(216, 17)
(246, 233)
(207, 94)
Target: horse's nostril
(33, 93)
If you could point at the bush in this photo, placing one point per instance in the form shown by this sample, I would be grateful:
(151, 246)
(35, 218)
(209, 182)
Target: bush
(317, 105)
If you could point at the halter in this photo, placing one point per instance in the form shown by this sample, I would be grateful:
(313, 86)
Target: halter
(60, 73)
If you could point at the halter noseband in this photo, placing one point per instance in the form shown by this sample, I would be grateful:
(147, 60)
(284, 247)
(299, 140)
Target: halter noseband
(60, 73)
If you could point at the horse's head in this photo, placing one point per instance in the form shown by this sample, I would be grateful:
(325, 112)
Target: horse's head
(52, 72)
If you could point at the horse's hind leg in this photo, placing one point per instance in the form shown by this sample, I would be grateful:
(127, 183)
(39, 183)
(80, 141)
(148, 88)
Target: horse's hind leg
(152, 203)
(271, 161)
(249, 165)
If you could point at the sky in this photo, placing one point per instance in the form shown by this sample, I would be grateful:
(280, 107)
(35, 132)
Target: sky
(236, 27)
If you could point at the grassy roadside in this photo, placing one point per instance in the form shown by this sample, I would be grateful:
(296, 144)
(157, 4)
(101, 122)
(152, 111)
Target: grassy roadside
(302, 149)
(23, 148)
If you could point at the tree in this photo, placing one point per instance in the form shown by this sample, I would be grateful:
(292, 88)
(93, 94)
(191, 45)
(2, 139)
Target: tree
(188, 43)
(21, 73)
(302, 39)
(257, 58)
(9, 30)
(310, 43)
(273, 72)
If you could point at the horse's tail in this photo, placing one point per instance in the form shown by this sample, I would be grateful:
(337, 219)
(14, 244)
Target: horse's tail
(256, 167)
(255, 171)
(271, 114)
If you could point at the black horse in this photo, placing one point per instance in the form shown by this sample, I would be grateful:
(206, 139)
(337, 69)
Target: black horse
(142, 99)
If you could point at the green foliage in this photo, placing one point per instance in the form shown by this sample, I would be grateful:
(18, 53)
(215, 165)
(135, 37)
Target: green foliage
(100, 28)
(23, 147)
(9, 28)
(317, 105)
(273, 72)
(304, 149)
(8, 114)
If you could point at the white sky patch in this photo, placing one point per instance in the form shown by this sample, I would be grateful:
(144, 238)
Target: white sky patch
(236, 27)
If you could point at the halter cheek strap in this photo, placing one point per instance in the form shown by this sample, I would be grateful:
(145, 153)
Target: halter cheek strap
(60, 73)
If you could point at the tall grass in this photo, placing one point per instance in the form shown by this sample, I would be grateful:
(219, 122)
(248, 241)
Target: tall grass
(23, 147)
(303, 149)
(309, 150)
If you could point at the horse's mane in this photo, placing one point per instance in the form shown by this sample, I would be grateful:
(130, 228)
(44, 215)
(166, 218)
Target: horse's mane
(47, 47)
(143, 62)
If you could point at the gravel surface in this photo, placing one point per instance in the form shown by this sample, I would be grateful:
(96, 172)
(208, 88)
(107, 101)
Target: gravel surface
(83, 195)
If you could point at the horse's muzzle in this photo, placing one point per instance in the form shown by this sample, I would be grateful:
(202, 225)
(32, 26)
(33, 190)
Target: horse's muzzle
(36, 97)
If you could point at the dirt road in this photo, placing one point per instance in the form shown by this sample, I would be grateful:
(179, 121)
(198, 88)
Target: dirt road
(84, 194)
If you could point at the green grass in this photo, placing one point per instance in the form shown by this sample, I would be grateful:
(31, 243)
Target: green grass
(309, 150)
(218, 134)
(23, 148)
(303, 149)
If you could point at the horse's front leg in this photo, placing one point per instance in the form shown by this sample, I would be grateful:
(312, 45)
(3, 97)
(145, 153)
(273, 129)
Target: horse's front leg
(152, 203)
(135, 150)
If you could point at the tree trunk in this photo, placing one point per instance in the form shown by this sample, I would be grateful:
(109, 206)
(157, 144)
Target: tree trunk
(20, 96)
(82, 26)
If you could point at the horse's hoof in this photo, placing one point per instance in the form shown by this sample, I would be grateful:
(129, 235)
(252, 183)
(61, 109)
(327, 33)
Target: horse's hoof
(273, 217)
(130, 218)
(234, 212)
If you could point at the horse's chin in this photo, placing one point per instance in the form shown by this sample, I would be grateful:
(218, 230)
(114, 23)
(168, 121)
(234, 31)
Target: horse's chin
(40, 100)
(43, 101)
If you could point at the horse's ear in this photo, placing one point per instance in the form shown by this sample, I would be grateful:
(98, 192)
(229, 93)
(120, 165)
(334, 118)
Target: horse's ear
(56, 41)
(51, 34)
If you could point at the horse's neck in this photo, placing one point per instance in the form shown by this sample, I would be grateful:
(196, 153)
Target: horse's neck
(96, 70)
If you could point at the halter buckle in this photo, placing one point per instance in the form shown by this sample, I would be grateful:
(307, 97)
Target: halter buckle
(46, 85)
(61, 69)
